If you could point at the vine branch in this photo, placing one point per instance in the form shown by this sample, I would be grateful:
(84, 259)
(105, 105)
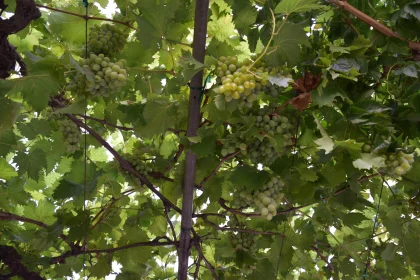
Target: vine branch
(372, 22)
(123, 163)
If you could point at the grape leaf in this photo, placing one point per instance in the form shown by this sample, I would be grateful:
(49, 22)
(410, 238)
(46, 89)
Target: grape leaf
(159, 113)
(31, 163)
(368, 161)
(287, 44)
(6, 170)
(296, 6)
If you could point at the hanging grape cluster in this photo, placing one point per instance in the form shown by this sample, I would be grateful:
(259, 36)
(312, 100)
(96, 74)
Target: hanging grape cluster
(71, 134)
(269, 198)
(275, 134)
(243, 241)
(264, 201)
(106, 39)
(278, 72)
(243, 80)
(397, 164)
(139, 161)
(108, 77)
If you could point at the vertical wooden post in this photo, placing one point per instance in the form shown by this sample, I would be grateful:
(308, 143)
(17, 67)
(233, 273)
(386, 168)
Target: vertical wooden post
(199, 46)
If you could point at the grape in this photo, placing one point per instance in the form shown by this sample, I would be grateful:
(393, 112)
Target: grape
(271, 207)
(242, 146)
(399, 170)
(367, 148)
(264, 211)
(106, 80)
(106, 39)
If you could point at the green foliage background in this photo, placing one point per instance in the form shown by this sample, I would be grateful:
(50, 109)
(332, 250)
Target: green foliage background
(368, 88)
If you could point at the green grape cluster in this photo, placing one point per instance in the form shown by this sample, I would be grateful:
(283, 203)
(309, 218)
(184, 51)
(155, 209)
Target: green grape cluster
(71, 134)
(265, 201)
(269, 198)
(273, 126)
(243, 241)
(248, 269)
(244, 80)
(232, 144)
(139, 162)
(237, 83)
(279, 72)
(397, 164)
(242, 199)
(106, 39)
(108, 77)
(275, 130)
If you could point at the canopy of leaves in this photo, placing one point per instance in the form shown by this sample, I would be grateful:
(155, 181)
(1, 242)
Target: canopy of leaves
(110, 204)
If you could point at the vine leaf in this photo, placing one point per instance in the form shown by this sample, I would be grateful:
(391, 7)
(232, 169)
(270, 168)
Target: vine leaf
(7, 142)
(296, 6)
(369, 161)
(302, 101)
(287, 45)
(190, 67)
(32, 162)
(389, 253)
(221, 28)
(69, 27)
(6, 170)
(159, 114)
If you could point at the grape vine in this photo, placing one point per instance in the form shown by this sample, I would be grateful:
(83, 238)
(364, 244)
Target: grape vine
(303, 140)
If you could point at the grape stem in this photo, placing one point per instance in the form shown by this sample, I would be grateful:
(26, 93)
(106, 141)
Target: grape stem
(273, 33)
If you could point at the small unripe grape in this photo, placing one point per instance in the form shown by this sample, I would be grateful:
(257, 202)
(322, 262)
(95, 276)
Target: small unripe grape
(264, 211)
(266, 200)
(121, 77)
(224, 152)
(114, 75)
(366, 148)
(399, 170)
(271, 207)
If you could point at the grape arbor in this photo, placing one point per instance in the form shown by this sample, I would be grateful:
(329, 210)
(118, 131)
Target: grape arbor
(209, 140)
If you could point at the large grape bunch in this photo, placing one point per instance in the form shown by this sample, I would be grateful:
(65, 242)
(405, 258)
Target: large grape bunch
(243, 80)
(276, 134)
(106, 39)
(264, 201)
(108, 77)
(71, 135)
(398, 163)
(235, 81)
